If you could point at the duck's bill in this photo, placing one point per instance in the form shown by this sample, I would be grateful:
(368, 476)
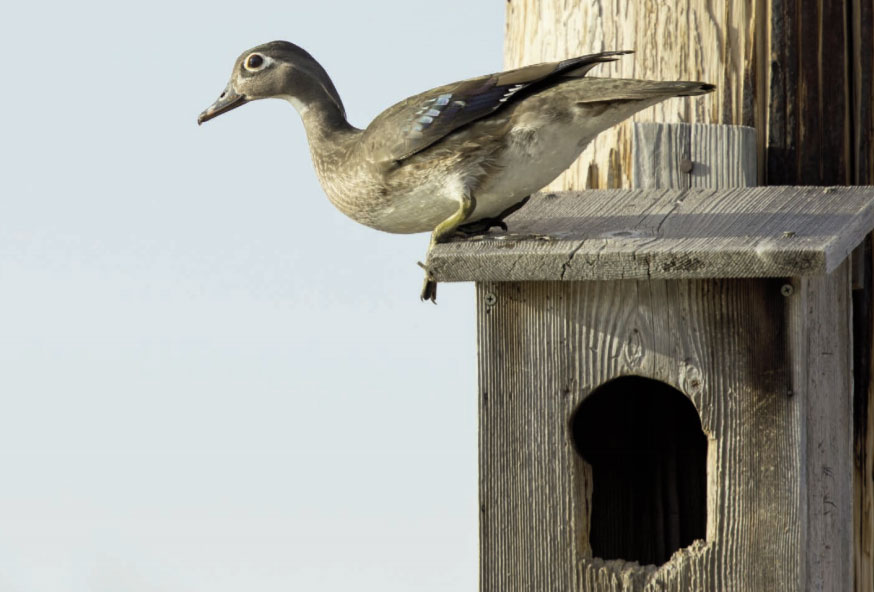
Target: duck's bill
(229, 99)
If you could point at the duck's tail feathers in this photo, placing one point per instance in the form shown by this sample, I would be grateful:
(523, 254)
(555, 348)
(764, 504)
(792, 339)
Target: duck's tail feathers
(586, 63)
(596, 90)
(696, 89)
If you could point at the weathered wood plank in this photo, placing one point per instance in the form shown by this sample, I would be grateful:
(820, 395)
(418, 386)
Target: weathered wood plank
(819, 326)
(862, 23)
(759, 232)
(863, 419)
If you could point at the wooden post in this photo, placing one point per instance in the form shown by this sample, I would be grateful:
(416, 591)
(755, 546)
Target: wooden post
(682, 155)
(799, 72)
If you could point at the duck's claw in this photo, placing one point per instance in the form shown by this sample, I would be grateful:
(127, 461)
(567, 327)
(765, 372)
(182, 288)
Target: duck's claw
(429, 287)
(480, 227)
(484, 225)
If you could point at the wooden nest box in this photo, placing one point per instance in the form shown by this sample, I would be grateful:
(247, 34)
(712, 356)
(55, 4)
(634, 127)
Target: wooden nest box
(666, 385)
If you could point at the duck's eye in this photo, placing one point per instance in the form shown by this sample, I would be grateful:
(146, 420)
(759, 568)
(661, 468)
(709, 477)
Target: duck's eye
(254, 62)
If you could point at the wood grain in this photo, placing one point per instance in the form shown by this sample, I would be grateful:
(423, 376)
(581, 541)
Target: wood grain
(863, 417)
(820, 330)
(862, 81)
(758, 232)
(862, 159)
(719, 155)
(810, 128)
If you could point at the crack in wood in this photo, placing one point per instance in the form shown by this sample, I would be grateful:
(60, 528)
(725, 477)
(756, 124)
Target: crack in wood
(566, 265)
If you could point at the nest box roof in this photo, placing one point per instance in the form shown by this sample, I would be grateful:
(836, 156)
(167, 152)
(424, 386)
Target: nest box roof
(653, 233)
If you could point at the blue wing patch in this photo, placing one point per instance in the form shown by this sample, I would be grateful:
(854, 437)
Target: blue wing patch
(430, 110)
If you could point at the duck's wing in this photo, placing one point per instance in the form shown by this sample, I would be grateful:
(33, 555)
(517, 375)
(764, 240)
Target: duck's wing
(421, 120)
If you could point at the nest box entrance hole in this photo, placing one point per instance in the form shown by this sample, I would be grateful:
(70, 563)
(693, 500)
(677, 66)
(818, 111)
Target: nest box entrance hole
(648, 453)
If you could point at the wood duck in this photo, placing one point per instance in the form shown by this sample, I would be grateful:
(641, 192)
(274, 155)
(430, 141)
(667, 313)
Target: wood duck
(457, 158)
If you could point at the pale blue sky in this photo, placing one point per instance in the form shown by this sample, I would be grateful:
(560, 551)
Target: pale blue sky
(210, 378)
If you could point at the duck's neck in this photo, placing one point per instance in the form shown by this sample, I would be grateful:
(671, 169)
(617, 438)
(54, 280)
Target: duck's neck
(324, 120)
(332, 141)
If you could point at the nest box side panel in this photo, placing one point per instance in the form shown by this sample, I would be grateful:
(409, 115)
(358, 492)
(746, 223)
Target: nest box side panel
(821, 332)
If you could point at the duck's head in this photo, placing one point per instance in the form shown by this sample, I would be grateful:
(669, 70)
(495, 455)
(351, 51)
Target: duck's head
(278, 69)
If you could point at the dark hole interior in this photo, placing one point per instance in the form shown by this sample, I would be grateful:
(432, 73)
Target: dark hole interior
(648, 453)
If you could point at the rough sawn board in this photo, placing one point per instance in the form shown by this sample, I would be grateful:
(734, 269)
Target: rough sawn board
(652, 233)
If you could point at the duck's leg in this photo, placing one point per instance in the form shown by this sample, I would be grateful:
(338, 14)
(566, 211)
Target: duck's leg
(483, 225)
(445, 229)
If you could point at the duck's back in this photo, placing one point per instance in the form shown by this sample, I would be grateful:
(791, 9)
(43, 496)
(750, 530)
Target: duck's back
(418, 122)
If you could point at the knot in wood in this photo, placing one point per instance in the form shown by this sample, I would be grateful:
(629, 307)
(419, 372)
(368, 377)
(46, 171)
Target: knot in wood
(691, 380)
(633, 350)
